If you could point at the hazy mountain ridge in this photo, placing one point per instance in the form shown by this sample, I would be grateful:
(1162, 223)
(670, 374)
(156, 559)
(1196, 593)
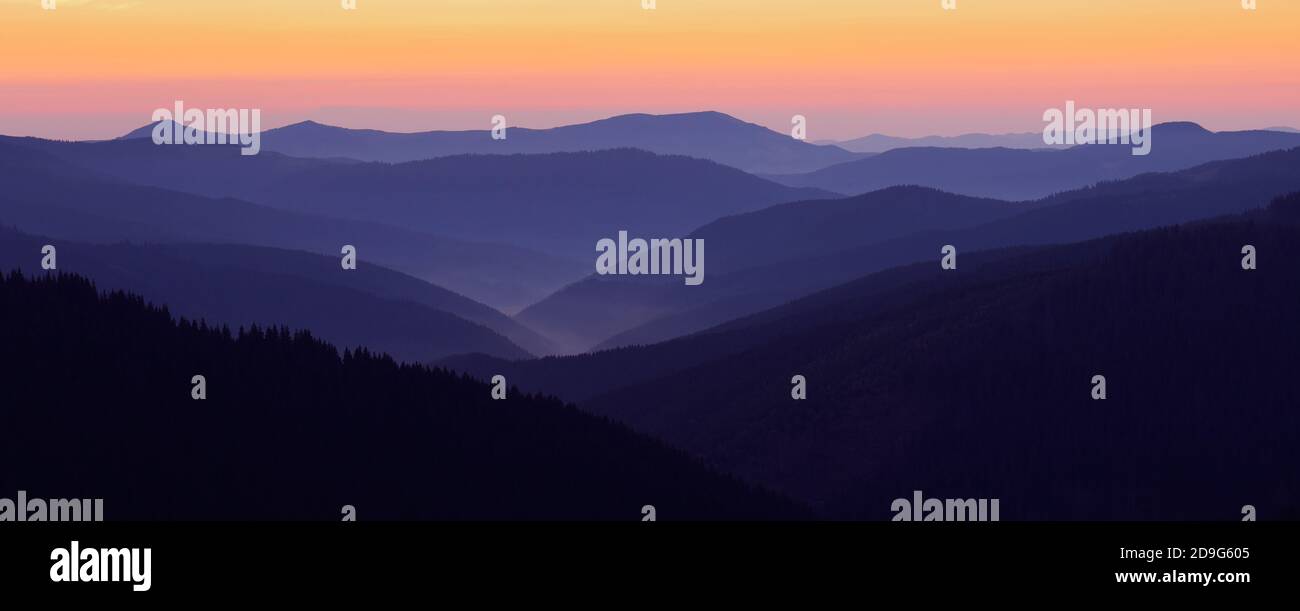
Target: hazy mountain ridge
(51, 195)
(559, 203)
(239, 285)
(706, 135)
(1142, 202)
(879, 143)
(748, 250)
(1017, 174)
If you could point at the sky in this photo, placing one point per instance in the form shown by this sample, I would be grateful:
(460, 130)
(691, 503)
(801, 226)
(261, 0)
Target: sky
(98, 68)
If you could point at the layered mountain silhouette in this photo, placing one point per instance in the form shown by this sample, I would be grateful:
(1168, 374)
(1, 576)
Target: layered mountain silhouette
(978, 382)
(1029, 174)
(239, 286)
(98, 405)
(821, 262)
(707, 135)
(58, 196)
(571, 375)
(879, 143)
(793, 231)
(824, 250)
(809, 228)
(560, 203)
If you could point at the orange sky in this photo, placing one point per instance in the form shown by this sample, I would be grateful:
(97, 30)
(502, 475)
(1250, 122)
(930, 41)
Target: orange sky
(95, 68)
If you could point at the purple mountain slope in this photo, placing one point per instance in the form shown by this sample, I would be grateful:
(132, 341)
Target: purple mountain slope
(752, 273)
(560, 203)
(241, 286)
(879, 143)
(1016, 174)
(49, 195)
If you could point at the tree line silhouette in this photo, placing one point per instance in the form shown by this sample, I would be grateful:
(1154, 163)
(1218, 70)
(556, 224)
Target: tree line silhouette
(97, 404)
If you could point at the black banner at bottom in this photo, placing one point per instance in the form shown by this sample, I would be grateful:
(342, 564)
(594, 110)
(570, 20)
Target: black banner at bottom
(562, 561)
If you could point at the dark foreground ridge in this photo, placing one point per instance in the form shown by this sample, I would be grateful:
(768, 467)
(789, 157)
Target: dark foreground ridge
(975, 382)
(97, 404)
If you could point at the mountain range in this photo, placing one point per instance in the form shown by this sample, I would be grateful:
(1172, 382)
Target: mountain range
(706, 135)
(823, 265)
(978, 382)
(75, 192)
(241, 286)
(1018, 174)
(560, 204)
(879, 143)
(820, 248)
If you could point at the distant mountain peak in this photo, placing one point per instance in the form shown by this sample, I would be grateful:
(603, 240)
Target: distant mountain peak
(146, 131)
(706, 114)
(1182, 127)
(309, 124)
(703, 116)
